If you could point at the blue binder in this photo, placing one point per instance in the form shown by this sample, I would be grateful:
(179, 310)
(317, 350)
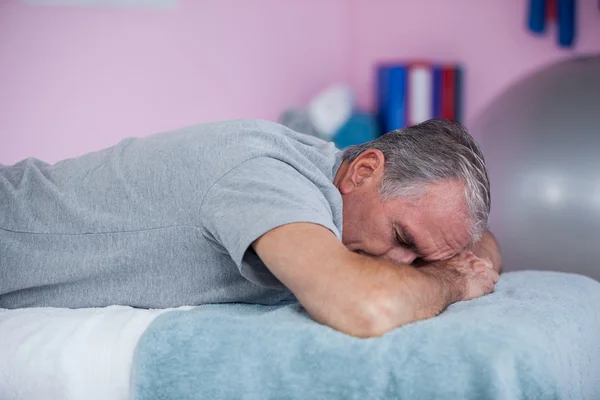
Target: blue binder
(396, 99)
(437, 91)
(391, 97)
(382, 97)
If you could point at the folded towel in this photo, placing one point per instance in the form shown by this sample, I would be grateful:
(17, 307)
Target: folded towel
(536, 337)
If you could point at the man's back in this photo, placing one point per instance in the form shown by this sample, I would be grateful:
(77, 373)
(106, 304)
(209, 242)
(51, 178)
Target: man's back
(161, 221)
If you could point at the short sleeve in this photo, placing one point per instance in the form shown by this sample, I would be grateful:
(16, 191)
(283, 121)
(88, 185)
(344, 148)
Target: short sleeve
(255, 197)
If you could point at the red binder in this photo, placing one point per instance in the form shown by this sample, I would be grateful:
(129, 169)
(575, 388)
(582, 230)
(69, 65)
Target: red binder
(448, 93)
(551, 11)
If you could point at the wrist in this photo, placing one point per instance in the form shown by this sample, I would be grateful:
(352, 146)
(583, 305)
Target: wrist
(449, 281)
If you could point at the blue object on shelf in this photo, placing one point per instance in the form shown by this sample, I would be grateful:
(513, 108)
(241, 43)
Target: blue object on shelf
(396, 99)
(391, 97)
(437, 91)
(383, 73)
(537, 15)
(566, 22)
(359, 129)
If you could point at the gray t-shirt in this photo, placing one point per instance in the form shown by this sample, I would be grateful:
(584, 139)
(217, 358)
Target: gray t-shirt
(162, 221)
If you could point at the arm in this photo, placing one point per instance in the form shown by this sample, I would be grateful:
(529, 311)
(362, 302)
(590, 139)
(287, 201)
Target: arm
(488, 247)
(355, 294)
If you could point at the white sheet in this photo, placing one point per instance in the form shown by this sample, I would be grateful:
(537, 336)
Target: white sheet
(52, 353)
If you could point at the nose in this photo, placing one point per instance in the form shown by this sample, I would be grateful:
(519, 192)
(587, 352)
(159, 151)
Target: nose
(401, 256)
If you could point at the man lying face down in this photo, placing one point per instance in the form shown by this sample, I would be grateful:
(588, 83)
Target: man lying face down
(368, 239)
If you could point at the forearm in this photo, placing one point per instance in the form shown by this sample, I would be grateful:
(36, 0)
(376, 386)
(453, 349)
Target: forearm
(488, 247)
(382, 296)
(355, 294)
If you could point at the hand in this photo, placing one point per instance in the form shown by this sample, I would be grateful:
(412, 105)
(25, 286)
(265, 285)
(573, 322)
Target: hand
(487, 247)
(471, 275)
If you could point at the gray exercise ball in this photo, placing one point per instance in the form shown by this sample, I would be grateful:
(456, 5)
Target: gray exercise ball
(541, 141)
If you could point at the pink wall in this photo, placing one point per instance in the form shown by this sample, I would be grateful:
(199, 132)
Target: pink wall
(74, 80)
(489, 37)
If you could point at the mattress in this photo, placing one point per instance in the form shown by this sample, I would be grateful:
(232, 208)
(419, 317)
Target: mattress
(536, 337)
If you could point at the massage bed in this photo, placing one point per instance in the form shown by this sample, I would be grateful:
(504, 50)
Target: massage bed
(536, 337)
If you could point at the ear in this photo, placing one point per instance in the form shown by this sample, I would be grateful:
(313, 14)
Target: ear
(364, 172)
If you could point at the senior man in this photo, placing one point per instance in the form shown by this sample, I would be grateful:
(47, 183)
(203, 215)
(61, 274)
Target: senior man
(367, 239)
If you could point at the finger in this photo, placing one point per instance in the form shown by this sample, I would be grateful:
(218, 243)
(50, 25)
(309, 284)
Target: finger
(495, 277)
(488, 263)
(492, 287)
(479, 263)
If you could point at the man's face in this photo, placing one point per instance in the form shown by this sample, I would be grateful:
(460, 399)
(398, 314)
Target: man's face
(401, 230)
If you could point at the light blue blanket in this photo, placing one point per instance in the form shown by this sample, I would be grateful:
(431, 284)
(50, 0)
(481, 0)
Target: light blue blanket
(536, 337)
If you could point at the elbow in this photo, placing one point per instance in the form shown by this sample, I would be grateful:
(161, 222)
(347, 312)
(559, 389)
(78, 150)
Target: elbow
(375, 316)
(368, 329)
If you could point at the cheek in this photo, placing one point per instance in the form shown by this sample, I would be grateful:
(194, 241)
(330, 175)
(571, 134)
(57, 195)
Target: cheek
(370, 219)
(353, 220)
(376, 232)
(366, 226)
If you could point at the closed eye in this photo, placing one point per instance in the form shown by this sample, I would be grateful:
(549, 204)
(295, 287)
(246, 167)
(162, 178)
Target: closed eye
(404, 243)
(399, 241)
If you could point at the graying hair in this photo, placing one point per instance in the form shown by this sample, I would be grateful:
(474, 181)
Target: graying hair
(437, 150)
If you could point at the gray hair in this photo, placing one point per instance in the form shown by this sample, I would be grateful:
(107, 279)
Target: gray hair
(433, 151)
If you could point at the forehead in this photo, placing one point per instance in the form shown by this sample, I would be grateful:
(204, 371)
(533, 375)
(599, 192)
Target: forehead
(437, 221)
